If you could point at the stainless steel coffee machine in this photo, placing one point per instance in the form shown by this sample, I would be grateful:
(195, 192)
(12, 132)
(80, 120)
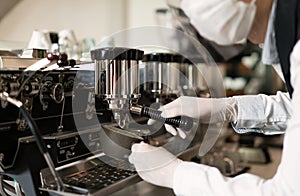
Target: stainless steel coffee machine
(80, 113)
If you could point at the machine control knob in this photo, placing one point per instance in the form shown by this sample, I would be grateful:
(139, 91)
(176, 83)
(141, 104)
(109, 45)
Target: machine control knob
(50, 90)
(70, 154)
(11, 88)
(31, 88)
(57, 93)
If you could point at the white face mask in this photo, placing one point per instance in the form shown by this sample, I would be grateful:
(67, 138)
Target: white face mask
(222, 21)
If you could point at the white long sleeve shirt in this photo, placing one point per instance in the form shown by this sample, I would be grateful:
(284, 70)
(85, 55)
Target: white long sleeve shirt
(197, 179)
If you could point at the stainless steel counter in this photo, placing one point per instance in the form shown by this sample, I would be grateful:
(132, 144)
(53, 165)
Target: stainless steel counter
(145, 189)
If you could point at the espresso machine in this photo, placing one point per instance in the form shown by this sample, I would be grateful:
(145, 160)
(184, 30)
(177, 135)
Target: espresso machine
(61, 105)
(87, 120)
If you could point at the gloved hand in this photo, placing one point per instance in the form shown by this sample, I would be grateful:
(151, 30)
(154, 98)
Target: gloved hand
(154, 164)
(206, 110)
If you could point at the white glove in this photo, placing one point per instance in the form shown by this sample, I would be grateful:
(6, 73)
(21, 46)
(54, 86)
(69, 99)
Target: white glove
(154, 164)
(206, 110)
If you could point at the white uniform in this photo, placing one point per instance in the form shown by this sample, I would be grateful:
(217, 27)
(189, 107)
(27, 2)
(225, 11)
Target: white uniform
(259, 113)
(196, 179)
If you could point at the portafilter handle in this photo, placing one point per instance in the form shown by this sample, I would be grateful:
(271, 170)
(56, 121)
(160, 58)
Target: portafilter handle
(183, 122)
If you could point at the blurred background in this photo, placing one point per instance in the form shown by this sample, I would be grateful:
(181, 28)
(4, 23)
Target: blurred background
(93, 18)
(97, 19)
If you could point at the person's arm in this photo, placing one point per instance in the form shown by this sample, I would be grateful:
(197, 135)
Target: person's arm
(247, 113)
(262, 113)
(197, 179)
(260, 23)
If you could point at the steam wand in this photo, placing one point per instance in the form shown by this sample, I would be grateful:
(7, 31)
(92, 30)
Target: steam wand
(183, 122)
(39, 140)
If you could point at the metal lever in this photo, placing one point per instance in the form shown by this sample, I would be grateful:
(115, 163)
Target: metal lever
(183, 122)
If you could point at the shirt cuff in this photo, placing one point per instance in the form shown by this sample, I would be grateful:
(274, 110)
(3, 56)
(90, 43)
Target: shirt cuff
(262, 113)
(250, 112)
(272, 129)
